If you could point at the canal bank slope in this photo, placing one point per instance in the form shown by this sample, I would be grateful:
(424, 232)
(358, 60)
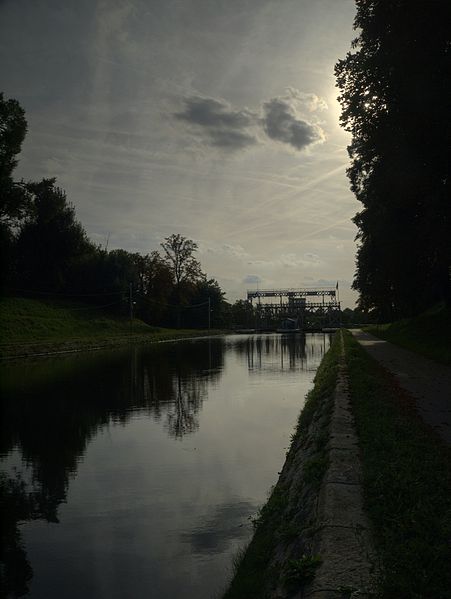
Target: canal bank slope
(34, 328)
(362, 466)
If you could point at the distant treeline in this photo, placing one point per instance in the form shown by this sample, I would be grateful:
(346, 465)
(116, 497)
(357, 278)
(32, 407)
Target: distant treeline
(45, 253)
(396, 97)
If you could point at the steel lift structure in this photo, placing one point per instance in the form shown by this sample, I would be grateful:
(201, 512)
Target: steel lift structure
(313, 309)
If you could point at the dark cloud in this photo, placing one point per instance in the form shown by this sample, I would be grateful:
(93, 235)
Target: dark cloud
(233, 140)
(252, 280)
(281, 123)
(225, 128)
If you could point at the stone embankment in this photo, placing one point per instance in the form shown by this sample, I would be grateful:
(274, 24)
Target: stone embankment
(343, 537)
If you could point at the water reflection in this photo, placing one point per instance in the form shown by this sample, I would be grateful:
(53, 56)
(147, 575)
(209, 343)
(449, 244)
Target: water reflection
(282, 352)
(53, 409)
(214, 532)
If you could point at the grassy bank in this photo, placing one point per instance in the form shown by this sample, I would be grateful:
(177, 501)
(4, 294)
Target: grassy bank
(32, 326)
(428, 334)
(284, 519)
(407, 483)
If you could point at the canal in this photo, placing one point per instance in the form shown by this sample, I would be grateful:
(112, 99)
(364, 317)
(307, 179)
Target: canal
(136, 472)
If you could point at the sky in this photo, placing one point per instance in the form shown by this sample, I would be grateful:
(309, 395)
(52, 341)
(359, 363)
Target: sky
(215, 119)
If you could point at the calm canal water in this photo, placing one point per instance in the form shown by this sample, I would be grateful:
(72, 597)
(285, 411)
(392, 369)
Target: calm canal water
(134, 473)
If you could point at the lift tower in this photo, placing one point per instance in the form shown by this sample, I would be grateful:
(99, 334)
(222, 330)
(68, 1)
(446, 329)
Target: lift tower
(314, 308)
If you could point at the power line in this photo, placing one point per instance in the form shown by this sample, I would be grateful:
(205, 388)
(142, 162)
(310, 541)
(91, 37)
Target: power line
(63, 294)
(178, 306)
(95, 307)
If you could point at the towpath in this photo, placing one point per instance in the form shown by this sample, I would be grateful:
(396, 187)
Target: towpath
(426, 381)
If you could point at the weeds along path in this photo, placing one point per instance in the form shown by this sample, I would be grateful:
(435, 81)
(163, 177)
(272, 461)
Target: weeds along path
(406, 472)
(426, 381)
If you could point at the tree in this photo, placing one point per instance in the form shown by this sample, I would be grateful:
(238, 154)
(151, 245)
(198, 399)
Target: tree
(13, 196)
(154, 287)
(400, 170)
(50, 240)
(207, 294)
(242, 314)
(185, 268)
(13, 127)
(179, 255)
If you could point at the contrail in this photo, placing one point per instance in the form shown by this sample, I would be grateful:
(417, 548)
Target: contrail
(313, 233)
(335, 224)
(298, 190)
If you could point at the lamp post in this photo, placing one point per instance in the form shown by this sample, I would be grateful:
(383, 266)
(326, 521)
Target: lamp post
(130, 297)
(209, 313)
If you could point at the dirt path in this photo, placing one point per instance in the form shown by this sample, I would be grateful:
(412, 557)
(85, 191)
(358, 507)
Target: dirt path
(426, 381)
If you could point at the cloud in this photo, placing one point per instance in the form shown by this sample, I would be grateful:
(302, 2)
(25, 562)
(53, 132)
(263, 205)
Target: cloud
(282, 119)
(225, 128)
(234, 250)
(252, 280)
(305, 101)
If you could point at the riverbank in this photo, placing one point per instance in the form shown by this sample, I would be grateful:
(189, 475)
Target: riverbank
(428, 334)
(405, 472)
(407, 482)
(279, 558)
(32, 327)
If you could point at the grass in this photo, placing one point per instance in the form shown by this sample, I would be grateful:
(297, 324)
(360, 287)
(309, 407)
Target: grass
(300, 571)
(407, 483)
(28, 320)
(428, 334)
(254, 570)
(28, 325)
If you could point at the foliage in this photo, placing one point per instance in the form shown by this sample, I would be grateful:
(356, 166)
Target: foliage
(406, 480)
(206, 294)
(242, 315)
(400, 170)
(13, 127)
(300, 571)
(355, 317)
(179, 255)
(428, 334)
(13, 196)
(46, 253)
(50, 239)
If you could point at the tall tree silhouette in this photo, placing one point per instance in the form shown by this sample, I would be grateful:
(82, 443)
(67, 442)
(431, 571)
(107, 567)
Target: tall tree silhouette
(179, 255)
(50, 239)
(13, 195)
(395, 96)
(13, 127)
(185, 268)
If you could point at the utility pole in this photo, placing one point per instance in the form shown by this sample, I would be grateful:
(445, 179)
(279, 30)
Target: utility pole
(209, 313)
(130, 298)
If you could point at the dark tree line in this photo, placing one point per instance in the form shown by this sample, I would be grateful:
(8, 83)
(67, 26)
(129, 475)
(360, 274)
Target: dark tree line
(46, 253)
(396, 95)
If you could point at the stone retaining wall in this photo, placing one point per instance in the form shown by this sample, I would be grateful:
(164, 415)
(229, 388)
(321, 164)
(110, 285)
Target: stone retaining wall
(334, 540)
